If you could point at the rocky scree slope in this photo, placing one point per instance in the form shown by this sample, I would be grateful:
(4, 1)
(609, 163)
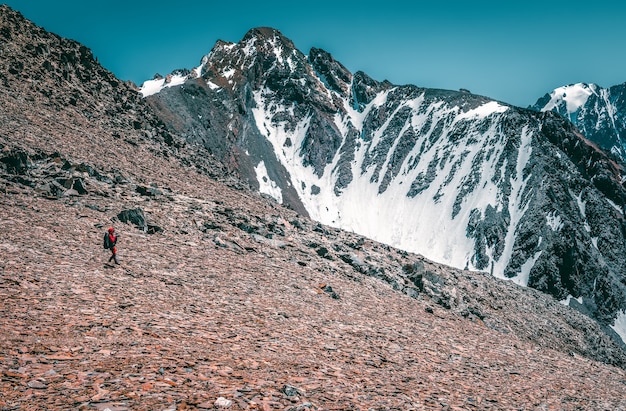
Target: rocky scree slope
(225, 298)
(475, 183)
(233, 302)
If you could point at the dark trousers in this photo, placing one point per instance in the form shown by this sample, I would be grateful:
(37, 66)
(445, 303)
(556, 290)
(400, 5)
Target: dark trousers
(113, 255)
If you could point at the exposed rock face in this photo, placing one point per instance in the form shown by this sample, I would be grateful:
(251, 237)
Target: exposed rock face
(599, 113)
(459, 178)
(60, 73)
(238, 301)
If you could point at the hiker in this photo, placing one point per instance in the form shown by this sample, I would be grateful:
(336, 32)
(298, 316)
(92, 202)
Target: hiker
(110, 240)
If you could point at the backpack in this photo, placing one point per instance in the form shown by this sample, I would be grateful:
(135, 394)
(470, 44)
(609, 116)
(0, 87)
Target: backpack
(107, 241)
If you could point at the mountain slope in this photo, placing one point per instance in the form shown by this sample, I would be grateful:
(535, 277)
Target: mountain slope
(599, 113)
(459, 178)
(224, 298)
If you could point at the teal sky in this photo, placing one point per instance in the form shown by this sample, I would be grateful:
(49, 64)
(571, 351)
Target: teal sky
(510, 51)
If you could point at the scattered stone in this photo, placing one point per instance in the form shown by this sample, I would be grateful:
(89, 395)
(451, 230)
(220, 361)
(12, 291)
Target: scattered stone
(148, 191)
(70, 192)
(290, 391)
(222, 402)
(134, 216)
(38, 385)
(329, 290)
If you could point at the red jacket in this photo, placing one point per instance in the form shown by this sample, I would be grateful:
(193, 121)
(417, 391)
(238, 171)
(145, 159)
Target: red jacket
(112, 240)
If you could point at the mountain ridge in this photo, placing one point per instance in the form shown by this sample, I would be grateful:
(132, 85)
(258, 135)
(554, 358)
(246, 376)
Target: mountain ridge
(358, 154)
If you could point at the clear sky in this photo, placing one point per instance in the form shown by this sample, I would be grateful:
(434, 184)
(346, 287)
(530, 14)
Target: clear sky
(513, 51)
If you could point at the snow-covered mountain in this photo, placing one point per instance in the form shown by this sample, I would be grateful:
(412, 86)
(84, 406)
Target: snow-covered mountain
(460, 178)
(599, 113)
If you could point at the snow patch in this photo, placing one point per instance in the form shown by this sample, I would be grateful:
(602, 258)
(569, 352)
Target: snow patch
(620, 326)
(228, 73)
(198, 70)
(250, 48)
(517, 207)
(554, 221)
(575, 96)
(151, 87)
(582, 206)
(570, 298)
(357, 118)
(524, 274)
(176, 80)
(484, 111)
(266, 184)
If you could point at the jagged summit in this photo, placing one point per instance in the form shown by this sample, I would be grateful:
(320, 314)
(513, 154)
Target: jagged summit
(265, 41)
(267, 36)
(335, 76)
(230, 64)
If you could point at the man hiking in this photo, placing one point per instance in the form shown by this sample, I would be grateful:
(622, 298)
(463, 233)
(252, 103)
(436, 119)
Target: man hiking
(110, 240)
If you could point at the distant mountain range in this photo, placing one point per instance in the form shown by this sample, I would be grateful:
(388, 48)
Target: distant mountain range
(460, 178)
(599, 113)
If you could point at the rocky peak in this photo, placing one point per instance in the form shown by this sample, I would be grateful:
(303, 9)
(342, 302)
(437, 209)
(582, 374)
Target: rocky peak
(32, 55)
(366, 88)
(268, 40)
(331, 72)
(262, 54)
(40, 69)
